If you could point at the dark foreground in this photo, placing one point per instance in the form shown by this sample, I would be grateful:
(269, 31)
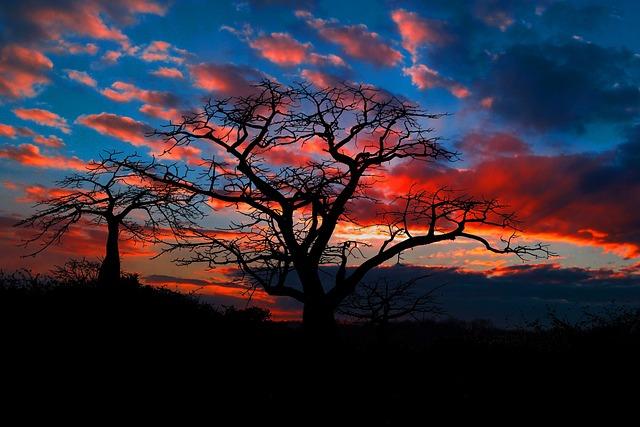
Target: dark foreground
(132, 353)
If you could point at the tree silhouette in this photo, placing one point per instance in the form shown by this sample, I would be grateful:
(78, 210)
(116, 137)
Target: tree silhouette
(109, 194)
(384, 300)
(334, 144)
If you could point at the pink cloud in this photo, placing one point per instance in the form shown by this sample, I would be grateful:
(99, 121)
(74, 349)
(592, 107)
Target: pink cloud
(320, 79)
(126, 92)
(9, 131)
(417, 31)
(281, 48)
(170, 73)
(48, 141)
(30, 155)
(43, 118)
(22, 71)
(425, 78)
(120, 127)
(161, 113)
(161, 51)
(82, 77)
(55, 21)
(226, 79)
(356, 40)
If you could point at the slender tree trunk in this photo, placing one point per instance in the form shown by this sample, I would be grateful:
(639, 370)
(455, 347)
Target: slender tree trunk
(110, 268)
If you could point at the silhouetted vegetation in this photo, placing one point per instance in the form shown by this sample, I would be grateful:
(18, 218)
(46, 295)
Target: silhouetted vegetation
(173, 346)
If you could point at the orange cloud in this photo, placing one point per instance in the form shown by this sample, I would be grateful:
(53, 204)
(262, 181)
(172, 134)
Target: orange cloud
(82, 77)
(22, 71)
(30, 155)
(43, 118)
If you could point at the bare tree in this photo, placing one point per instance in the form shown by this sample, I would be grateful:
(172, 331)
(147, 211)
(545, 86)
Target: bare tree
(292, 212)
(108, 194)
(385, 300)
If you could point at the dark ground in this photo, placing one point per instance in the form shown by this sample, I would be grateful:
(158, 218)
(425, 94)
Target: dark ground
(78, 350)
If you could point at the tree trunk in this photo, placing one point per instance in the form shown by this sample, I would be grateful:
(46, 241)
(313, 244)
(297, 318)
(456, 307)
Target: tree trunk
(110, 268)
(319, 320)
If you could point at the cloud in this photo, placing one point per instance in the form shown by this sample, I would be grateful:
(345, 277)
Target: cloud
(425, 78)
(167, 72)
(22, 71)
(356, 40)
(417, 31)
(573, 198)
(82, 77)
(226, 79)
(126, 92)
(281, 49)
(39, 21)
(43, 118)
(563, 87)
(48, 141)
(508, 295)
(321, 79)
(12, 132)
(160, 113)
(30, 155)
(120, 127)
(162, 51)
(484, 146)
(284, 50)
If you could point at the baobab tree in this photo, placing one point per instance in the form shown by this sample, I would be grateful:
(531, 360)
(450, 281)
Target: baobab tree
(296, 164)
(108, 194)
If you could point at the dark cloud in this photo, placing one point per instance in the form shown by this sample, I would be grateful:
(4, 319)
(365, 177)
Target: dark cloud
(546, 86)
(514, 294)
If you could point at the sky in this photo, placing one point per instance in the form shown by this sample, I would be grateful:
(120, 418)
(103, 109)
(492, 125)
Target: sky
(543, 99)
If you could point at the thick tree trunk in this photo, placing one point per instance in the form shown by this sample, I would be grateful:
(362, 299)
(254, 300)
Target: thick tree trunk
(318, 318)
(110, 268)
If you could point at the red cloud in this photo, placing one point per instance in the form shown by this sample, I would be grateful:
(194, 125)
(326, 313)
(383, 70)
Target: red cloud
(121, 127)
(226, 79)
(30, 155)
(82, 77)
(425, 78)
(22, 71)
(170, 73)
(125, 92)
(556, 197)
(356, 40)
(416, 31)
(43, 118)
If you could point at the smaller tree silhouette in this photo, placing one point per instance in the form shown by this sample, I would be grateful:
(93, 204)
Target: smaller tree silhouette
(107, 194)
(382, 301)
